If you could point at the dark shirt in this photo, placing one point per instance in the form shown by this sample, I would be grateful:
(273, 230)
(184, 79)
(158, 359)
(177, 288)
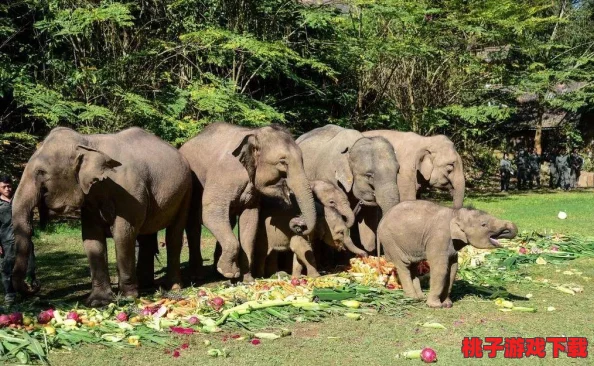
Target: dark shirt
(521, 161)
(576, 161)
(534, 161)
(6, 233)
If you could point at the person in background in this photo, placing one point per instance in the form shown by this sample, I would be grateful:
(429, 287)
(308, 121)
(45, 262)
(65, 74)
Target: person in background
(521, 166)
(505, 172)
(553, 172)
(575, 162)
(7, 244)
(533, 169)
(563, 169)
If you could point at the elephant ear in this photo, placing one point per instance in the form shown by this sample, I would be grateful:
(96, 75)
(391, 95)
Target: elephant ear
(247, 152)
(92, 166)
(343, 173)
(425, 164)
(456, 231)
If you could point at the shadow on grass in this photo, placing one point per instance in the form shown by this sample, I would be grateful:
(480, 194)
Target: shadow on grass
(64, 275)
(464, 288)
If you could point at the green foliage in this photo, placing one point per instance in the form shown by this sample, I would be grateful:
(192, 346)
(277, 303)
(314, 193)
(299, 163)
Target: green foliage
(174, 66)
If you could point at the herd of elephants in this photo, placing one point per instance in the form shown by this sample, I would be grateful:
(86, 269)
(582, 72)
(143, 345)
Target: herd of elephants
(332, 185)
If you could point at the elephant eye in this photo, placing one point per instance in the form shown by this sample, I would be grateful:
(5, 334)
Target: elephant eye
(369, 175)
(332, 202)
(450, 167)
(283, 161)
(484, 224)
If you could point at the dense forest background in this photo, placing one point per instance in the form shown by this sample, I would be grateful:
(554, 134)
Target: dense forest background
(471, 69)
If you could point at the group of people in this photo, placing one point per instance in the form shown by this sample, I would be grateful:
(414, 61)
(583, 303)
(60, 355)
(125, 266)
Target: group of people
(564, 169)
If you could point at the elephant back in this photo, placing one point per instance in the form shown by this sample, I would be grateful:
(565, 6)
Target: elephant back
(324, 148)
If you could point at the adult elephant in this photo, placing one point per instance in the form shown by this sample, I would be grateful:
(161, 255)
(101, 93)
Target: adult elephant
(233, 167)
(425, 162)
(364, 167)
(127, 185)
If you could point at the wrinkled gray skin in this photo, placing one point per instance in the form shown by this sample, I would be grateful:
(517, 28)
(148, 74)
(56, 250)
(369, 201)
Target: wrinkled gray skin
(364, 168)
(425, 162)
(414, 231)
(234, 167)
(127, 184)
(278, 225)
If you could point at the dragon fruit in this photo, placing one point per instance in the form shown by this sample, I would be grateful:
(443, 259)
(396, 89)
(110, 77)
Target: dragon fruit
(16, 318)
(122, 317)
(44, 317)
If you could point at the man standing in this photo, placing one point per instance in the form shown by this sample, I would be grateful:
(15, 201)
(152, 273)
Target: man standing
(505, 171)
(553, 172)
(521, 165)
(563, 169)
(533, 169)
(576, 162)
(7, 244)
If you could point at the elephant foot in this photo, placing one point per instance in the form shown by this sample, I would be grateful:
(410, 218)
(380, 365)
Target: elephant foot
(228, 268)
(129, 291)
(248, 278)
(313, 274)
(99, 298)
(432, 303)
(447, 303)
(413, 295)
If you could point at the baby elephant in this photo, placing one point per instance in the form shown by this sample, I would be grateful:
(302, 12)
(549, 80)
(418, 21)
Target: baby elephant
(413, 231)
(278, 228)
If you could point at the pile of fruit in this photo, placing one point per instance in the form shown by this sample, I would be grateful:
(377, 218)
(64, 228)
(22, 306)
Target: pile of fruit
(149, 321)
(367, 288)
(374, 271)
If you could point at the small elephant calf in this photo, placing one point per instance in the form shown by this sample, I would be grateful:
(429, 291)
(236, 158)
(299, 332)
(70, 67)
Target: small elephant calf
(277, 232)
(413, 231)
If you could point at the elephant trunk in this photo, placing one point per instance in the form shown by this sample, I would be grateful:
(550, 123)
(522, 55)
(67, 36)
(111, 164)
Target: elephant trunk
(407, 186)
(458, 184)
(348, 243)
(387, 195)
(299, 185)
(344, 208)
(26, 198)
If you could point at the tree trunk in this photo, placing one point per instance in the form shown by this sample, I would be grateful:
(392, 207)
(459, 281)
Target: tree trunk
(538, 132)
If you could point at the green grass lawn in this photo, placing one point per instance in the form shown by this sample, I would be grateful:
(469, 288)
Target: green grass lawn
(374, 340)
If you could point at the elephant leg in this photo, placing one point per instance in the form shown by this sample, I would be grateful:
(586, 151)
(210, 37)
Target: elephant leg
(148, 247)
(194, 234)
(248, 228)
(271, 264)
(216, 219)
(96, 249)
(416, 281)
(174, 237)
(439, 281)
(405, 278)
(367, 225)
(297, 266)
(453, 271)
(261, 254)
(304, 253)
(124, 236)
(218, 250)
